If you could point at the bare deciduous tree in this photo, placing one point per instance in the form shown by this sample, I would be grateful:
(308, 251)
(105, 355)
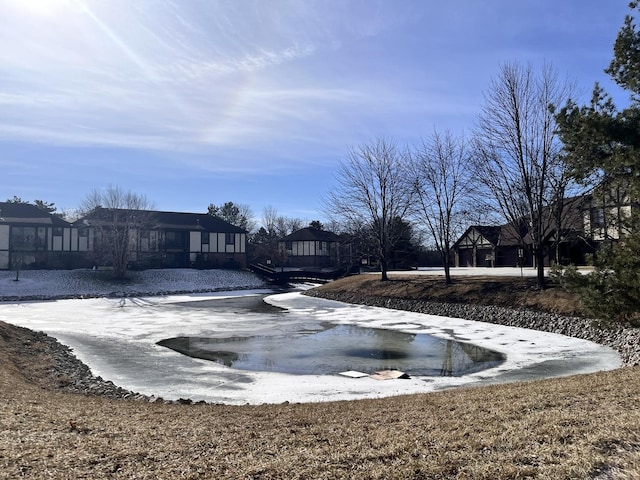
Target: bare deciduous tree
(116, 216)
(517, 157)
(440, 169)
(373, 187)
(274, 227)
(278, 225)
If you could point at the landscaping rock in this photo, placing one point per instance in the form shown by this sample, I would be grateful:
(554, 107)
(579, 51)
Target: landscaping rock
(626, 341)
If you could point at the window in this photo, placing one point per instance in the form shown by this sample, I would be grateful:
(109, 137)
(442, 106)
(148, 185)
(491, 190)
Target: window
(24, 238)
(173, 240)
(597, 218)
(230, 238)
(42, 236)
(205, 237)
(154, 241)
(17, 236)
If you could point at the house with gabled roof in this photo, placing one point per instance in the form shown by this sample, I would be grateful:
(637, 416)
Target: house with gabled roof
(565, 239)
(489, 246)
(33, 238)
(310, 248)
(159, 239)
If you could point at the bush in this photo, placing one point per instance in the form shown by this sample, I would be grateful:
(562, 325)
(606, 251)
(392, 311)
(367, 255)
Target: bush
(611, 292)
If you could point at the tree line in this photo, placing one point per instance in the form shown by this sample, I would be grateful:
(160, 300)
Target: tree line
(511, 168)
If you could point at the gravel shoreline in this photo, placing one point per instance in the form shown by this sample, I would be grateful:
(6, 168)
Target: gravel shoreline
(626, 341)
(67, 373)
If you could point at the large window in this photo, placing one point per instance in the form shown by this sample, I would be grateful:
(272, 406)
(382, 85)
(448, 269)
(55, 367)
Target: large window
(28, 238)
(230, 238)
(143, 240)
(174, 240)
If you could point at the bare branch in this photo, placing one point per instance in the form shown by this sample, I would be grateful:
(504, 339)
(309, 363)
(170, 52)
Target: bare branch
(373, 187)
(517, 152)
(439, 168)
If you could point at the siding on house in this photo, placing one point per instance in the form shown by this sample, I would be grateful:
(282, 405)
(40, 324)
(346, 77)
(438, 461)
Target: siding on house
(32, 238)
(605, 216)
(172, 239)
(488, 246)
(311, 248)
(569, 238)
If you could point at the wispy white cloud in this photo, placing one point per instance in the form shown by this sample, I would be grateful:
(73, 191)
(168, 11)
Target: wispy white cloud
(124, 72)
(274, 77)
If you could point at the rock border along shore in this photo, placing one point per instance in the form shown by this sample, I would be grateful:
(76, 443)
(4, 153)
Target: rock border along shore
(626, 341)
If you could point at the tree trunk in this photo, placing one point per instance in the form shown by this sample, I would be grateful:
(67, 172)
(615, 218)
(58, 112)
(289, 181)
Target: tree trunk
(539, 256)
(446, 261)
(447, 274)
(384, 268)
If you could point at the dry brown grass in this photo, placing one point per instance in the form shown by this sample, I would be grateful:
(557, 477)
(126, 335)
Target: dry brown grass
(574, 428)
(500, 291)
(570, 428)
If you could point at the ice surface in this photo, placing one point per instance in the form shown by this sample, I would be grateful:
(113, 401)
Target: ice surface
(117, 338)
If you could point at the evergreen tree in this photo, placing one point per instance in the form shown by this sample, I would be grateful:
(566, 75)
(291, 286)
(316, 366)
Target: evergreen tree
(602, 146)
(625, 66)
(49, 207)
(237, 215)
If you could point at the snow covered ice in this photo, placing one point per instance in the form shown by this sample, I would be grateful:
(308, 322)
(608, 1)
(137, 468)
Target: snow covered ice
(117, 338)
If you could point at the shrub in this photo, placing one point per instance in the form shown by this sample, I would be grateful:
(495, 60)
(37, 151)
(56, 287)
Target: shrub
(611, 292)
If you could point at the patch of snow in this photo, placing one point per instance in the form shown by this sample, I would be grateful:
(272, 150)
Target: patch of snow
(78, 283)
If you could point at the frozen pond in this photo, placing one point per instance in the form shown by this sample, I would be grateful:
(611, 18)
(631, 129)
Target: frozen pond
(119, 341)
(340, 348)
(326, 348)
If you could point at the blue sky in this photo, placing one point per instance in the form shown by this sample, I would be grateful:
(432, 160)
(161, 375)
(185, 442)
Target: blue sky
(192, 102)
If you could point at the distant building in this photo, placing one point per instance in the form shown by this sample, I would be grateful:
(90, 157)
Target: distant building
(310, 248)
(584, 223)
(33, 238)
(169, 239)
(607, 213)
(479, 247)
